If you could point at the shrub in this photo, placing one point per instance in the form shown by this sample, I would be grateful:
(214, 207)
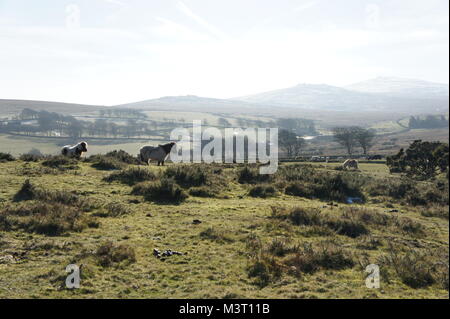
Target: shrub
(6, 157)
(413, 268)
(266, 269)
(251, 175)
(334, 187)
(60, 162)
(189, 175)
(298, 216)
(349, 228)
(108, 163)
(123, 157)
(131, 176)
(280, 247)
(109, 254)
(32, 156)
(263, 191)
(164, 191)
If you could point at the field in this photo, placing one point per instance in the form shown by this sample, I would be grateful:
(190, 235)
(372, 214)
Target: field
(236, 240)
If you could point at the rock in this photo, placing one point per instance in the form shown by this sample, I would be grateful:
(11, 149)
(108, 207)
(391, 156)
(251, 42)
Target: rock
(196, 222)
(149, 215)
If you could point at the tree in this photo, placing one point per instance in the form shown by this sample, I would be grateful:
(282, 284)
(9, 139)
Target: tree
(347, 137)
(290, 143)
(365, 139)
(421, 159)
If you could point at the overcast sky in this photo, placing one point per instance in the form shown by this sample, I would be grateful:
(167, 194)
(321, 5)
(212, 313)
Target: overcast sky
(116, 51)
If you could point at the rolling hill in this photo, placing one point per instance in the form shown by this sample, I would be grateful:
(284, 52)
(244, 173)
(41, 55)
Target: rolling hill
(327, 97)
(8, 107)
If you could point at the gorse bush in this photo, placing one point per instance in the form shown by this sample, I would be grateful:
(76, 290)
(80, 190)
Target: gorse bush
(108, 163)
(263, 191)
(163, 191)
(60, 162)
(31, 157)
(5, 157)
(189, 175)
(251, 175)
(131, 176)
(123, 157)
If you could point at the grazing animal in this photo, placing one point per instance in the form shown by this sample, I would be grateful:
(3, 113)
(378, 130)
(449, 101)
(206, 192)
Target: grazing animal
(350, 163)
(160, 153)
(75, 151)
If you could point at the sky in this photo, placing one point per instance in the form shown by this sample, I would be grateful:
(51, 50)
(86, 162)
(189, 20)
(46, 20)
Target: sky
(109, 52)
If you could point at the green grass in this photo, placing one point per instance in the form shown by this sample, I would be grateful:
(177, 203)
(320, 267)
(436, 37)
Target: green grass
(236, 232)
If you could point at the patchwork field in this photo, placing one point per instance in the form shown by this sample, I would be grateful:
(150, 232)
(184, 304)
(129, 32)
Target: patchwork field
(241, 235)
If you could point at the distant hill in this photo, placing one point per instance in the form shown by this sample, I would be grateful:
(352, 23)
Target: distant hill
(327, 97)
(15, 106)
(403, 88)
(192, 103)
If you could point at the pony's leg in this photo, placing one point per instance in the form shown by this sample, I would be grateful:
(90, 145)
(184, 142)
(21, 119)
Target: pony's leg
(162, 163)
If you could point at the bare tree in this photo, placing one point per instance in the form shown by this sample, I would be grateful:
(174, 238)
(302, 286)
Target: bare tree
(290, 143)
(347, 137)
(365, 139)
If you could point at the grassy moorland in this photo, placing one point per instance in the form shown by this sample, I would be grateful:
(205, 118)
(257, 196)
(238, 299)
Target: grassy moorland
(241, 235)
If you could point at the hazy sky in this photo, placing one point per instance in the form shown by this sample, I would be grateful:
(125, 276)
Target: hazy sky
(117, 51)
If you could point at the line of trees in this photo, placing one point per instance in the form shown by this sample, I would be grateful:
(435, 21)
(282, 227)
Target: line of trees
(352, 137)
(30, 122)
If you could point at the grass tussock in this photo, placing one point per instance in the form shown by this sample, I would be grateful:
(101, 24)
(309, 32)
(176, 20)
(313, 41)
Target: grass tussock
(341, 225)
(109, 254)
(327, 187)
(131, 176)
(30, 191)
(217, 235)
(203, 191)
(418, 269)
(114, 209)
(51, 219)
(164, 190)
(268, 263)
(325, 256)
